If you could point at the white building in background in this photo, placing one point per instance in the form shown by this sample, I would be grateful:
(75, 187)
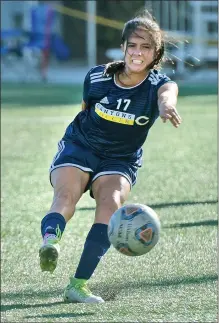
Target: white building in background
(192, 26)
(205, 29)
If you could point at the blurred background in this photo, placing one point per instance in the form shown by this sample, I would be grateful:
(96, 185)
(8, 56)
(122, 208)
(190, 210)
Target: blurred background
(58, 41)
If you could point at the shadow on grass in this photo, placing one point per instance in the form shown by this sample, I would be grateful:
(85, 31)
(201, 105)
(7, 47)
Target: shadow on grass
(162, 205)
(183, 203)
(27, 296)
(109, 292)
(191, 224)
(18, 306)
(59, 315)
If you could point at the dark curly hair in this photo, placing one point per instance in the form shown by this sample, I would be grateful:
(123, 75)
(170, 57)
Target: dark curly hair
(146, 21)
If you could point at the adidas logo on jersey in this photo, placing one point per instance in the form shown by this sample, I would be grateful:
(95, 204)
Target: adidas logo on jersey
(104, 100)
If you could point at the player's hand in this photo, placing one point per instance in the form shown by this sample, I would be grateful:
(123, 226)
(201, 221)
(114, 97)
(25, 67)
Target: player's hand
(170, 113)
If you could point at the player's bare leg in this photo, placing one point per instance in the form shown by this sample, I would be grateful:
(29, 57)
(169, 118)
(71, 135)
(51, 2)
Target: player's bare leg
(69, 184)
(110, 192)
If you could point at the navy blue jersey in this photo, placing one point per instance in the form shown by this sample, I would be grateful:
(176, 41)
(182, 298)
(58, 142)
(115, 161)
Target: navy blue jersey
(117, 119)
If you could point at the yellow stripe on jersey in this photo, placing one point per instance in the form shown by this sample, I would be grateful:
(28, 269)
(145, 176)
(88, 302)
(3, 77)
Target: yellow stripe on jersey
(114, 116)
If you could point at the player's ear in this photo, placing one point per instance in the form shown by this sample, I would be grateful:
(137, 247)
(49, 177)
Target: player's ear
(122, 48)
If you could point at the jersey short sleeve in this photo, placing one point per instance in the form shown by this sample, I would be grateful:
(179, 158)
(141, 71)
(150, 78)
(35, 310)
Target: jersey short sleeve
(159, 79)
(94, 75)
(86, 88)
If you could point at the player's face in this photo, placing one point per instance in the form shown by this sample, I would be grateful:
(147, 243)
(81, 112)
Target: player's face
(139, 51)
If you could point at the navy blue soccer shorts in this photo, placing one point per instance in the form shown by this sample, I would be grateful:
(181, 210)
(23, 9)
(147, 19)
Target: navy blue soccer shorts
(77, 155)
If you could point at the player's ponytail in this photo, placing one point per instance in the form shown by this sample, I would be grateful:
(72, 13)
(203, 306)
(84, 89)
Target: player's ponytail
(113, 67)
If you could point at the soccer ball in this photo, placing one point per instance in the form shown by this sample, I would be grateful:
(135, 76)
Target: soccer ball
(134, 229)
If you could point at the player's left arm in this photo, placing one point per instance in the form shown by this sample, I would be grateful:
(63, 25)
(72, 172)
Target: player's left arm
(167, 100)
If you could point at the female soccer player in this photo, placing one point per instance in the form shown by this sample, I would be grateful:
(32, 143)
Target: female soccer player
(101, 149)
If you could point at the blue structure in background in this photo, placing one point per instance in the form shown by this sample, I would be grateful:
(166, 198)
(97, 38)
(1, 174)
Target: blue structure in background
(43, 19)
(41, 37)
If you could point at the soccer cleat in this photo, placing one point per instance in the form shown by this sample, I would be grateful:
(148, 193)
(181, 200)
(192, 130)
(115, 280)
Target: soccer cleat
(49, 251)
(78, 292)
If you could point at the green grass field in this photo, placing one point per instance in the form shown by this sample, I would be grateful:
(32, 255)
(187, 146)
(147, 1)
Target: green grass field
(175, 282)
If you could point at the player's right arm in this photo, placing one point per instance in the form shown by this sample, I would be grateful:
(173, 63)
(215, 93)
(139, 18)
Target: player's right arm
(86, 90)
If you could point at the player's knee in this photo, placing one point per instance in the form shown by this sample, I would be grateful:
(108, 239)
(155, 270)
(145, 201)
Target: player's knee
(112, 200)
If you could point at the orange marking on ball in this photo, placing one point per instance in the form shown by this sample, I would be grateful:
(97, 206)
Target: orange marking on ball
(146, 235)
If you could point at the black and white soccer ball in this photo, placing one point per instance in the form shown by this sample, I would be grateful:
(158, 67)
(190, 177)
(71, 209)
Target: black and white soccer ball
(134, 229)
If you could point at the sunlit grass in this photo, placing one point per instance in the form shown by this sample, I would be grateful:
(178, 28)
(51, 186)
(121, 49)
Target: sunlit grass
(175, 282)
